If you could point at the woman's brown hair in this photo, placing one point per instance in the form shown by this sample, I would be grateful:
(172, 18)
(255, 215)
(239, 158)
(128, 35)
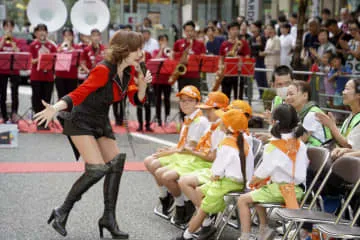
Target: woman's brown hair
(122, 44)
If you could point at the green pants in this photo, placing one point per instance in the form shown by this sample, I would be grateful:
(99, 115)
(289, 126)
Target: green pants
(271, 194)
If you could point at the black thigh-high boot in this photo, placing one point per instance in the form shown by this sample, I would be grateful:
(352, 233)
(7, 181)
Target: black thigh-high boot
(92, 174)
(111, 190)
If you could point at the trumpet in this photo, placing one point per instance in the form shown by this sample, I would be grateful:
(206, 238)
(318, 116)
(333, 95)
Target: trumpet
(167, 51)
(65, 44)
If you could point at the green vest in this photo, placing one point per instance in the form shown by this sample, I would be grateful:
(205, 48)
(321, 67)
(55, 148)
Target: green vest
(313, 141)
(349, 124)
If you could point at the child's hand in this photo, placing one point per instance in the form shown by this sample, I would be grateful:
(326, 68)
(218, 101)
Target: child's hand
(214, 178)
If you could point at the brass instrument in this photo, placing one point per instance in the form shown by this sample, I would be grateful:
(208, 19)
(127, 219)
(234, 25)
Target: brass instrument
(167, 51)
(219, 77)
(181, 67)
(8, 39)
(235, 48)
(65, 44)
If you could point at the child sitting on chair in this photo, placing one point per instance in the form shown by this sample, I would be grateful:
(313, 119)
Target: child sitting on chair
(193, 128)
(284, 161)
(199, 158)
(228, 173)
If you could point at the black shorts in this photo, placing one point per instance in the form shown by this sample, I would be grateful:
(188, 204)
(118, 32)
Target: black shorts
(81, 124)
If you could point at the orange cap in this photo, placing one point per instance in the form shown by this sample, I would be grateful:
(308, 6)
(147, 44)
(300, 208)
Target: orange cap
(215, 99)
(190, 91)
(241, 105)
(233, 119)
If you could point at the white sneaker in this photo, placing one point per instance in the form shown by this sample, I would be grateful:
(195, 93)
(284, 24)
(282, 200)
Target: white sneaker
(267, 234)
(280, 229)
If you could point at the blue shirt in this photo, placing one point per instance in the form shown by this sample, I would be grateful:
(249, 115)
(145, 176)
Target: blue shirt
(214, 46)
(340, 81)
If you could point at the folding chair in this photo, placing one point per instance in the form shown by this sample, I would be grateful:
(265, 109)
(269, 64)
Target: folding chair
(257, 148)
(347, 168)
(340, 231)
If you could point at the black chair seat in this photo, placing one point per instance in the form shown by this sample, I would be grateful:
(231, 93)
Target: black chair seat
(303, 215)
(342, 231)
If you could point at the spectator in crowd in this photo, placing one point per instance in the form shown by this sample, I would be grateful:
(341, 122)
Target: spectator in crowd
(257, 45)
(337, 35)
(200, 35)
(293, 23)
(352, 48)
(325, 46)
(244, 34)
(212, 23)
(345, 18)
(287, 43)
(325, 15)
(150, 44)
(281, 19)
(311, 39)
(146, 24)
(223, 28)
(337, 76)
(214, 42)
(272, 51)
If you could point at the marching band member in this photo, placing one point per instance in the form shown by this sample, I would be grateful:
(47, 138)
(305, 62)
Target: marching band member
(42, 82)
(150, 44)
(195, 159)
(90, 130)
(233, 47)
(9, 44)
(284, 161)
(94, 53)
(67, 81)
(160, 81)
(193, 128)
(232, 167)
(187, 46)
(146, 106)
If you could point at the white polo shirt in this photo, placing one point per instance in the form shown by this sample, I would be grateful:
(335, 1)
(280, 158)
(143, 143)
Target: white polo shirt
(277, 165)
(227, 163)
(311, 124)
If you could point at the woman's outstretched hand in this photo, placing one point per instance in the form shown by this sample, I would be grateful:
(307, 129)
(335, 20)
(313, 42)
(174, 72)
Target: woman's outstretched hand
(46, 115)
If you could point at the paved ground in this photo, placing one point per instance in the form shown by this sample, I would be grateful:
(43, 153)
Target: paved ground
(26, 200)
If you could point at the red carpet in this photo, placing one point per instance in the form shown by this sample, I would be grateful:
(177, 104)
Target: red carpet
(55, 127)
(56, 167)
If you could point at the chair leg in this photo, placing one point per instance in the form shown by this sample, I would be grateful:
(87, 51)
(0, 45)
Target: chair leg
(225, 222)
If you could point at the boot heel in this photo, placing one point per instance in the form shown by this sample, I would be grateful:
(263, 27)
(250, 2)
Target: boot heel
(101, 231)
(52, 216)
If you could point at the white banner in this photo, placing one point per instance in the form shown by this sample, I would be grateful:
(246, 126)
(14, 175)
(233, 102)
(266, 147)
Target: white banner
(252, 10)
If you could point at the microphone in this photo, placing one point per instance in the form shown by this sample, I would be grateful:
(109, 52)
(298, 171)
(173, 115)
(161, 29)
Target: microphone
(143, 68)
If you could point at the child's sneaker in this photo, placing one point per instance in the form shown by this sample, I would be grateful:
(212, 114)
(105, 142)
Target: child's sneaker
(167, 203)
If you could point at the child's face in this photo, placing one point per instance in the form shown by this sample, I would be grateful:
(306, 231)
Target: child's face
(188, 104)
(325, 59)
(295, 97)
(336, 63)
(210, 114)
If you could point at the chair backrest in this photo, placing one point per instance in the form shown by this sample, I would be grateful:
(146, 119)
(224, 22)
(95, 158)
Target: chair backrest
(318, 157)
(257, 150)
(347, 168)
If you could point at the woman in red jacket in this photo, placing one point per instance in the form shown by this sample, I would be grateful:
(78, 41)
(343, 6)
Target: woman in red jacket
(87, 124)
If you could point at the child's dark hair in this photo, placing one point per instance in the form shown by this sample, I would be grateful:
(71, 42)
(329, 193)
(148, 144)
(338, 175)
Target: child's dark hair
(286, 121)
(189, 23)
(160, 37)
(303, 87)
(282, 70)
(241, 145)
(357, 84)
(233, 24)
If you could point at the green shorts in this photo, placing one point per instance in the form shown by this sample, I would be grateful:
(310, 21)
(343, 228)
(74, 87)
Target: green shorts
(189, 164)
(172, 159)
(271, 194)
(203, 175)
(214, 192)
